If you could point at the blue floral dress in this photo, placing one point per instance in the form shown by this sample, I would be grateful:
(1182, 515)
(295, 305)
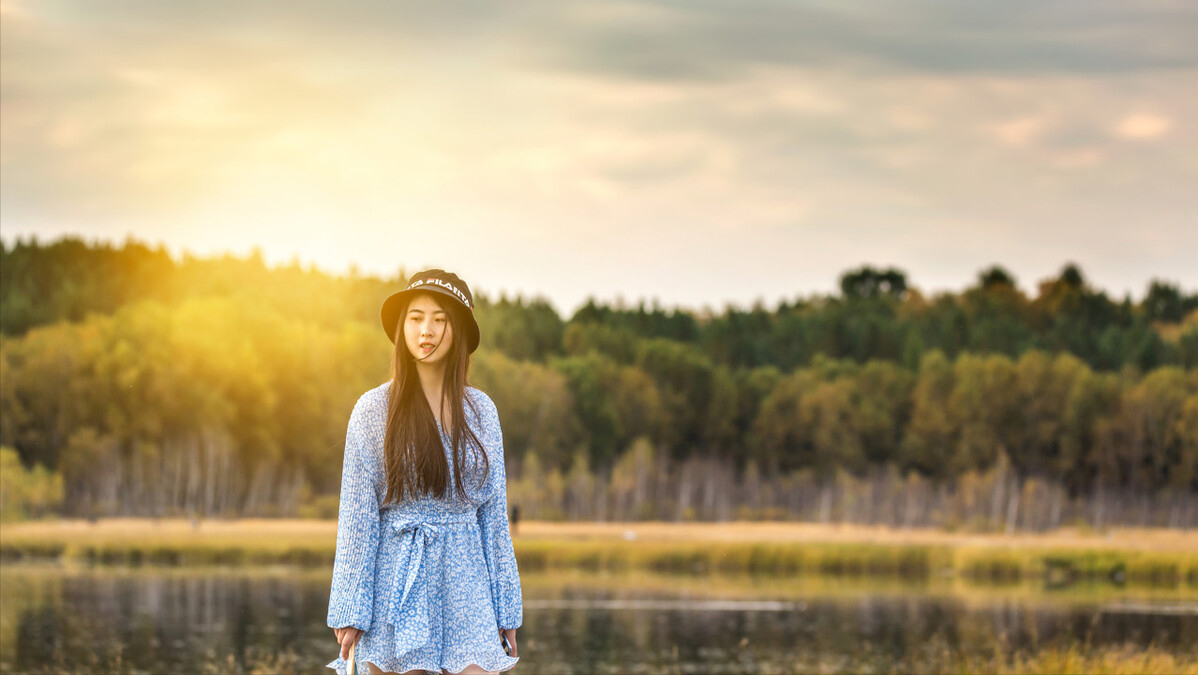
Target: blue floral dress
(430, 581)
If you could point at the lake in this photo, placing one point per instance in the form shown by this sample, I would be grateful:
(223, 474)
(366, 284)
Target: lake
(56, 618)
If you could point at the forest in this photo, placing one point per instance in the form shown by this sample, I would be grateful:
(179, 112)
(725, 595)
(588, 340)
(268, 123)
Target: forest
(135, 383)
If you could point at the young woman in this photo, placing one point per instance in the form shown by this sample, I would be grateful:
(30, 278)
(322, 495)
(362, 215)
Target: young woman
(424, 576)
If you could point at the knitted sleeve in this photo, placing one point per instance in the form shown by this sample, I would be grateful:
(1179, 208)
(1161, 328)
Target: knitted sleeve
(496, 534)
(351, 599)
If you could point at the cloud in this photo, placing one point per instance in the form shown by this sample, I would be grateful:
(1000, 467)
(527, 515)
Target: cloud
(627, 124)
(721, 40)
(1020, 131)
(1143, 126)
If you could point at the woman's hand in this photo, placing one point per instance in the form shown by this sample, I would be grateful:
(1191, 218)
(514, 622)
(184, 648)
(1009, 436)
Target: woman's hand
(510, 634)
(347, 636)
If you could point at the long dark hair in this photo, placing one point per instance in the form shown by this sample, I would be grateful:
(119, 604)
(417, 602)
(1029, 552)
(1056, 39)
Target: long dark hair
(416, 465)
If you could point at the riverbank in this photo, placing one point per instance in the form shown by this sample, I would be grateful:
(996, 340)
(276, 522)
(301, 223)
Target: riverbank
(1163, 558)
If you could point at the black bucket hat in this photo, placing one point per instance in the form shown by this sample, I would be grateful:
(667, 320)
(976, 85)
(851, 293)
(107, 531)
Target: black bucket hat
(439, 281)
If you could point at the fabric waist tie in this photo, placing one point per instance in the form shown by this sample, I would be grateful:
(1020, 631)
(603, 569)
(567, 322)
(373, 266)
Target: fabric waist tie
(408, 607)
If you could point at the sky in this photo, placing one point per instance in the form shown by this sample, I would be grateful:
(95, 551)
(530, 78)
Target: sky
(695, 153)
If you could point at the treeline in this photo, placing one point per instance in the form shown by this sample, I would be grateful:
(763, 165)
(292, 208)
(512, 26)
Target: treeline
(220, 386)
(876, 315)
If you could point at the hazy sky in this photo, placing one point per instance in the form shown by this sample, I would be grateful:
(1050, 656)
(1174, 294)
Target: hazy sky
(691, 151)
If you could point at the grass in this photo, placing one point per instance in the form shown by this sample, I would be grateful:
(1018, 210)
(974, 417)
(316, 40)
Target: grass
(1160, 558)
(1074, 659)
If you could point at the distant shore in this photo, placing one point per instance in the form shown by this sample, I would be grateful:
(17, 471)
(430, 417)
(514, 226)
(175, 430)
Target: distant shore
(1143, 556)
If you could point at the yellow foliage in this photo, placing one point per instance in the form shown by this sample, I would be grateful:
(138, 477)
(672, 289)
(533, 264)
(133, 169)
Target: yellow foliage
(25, 492)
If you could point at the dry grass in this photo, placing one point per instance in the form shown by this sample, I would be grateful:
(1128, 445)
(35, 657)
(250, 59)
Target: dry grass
(300, 531)
(254, 533)
(1117, 539)
(1156, 557)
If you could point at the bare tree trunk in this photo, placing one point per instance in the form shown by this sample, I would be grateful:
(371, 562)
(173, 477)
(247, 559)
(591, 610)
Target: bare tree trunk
(909, 509)
(175, 458)
(669, 486)
(600, 501)
(1000, 481)
(193, 477)
(1056, 500)
(724, 498)
(1013, 506)
(708, 491)
(113, 477)
(288, 499)
(689, 490)
(210, 450)
(943, 499)
(261, 487)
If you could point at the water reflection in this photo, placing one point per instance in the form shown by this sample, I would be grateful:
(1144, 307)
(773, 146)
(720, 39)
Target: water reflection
(272, 620)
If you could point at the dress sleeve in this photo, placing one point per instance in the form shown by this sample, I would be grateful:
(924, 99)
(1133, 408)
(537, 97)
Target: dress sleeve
(351, 600)
(497, 541)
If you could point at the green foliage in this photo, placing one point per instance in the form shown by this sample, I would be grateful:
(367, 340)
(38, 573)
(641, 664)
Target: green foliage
(687, 382)
(537, 407)
(653, 322)
(524, 331)
(615, 403)
(152, 384)
(26, 493)
(870, 283)
(582, 338)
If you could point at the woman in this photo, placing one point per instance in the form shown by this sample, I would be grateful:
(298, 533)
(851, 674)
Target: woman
(424, 576)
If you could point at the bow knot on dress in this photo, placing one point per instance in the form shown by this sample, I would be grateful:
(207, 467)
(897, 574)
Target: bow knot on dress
(408, 609)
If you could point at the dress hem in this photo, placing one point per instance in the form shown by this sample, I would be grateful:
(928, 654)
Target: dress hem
(342, 666)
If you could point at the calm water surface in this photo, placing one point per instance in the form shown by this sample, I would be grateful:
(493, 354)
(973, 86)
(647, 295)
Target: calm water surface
(55, 619)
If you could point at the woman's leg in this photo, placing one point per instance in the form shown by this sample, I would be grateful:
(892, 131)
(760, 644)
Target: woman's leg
(472, 669)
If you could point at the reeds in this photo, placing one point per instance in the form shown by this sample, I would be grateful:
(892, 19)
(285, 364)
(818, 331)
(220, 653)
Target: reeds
(681, 551)
(1074, 659)
(1063, 566)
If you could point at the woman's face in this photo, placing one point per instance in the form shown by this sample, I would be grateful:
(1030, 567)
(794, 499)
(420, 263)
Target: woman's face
(426, 329)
